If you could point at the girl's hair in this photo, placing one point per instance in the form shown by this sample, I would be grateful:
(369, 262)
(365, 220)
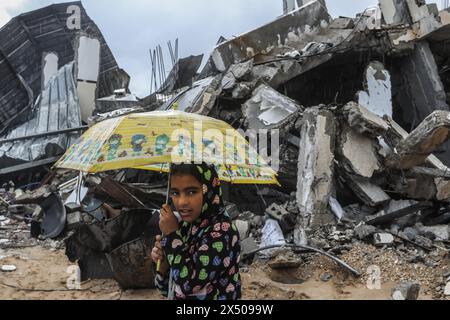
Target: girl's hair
(185, 169)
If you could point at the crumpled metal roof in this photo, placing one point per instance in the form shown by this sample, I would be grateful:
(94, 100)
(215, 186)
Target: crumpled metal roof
(56, 109)
(25, 39)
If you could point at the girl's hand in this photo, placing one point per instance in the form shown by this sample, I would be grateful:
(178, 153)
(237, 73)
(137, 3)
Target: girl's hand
(157, 254)
(168, 223)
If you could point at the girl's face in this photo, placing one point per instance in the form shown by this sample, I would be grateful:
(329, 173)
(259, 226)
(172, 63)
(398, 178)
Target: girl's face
(187, 196)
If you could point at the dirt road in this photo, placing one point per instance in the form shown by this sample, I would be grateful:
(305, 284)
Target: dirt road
(42, 274)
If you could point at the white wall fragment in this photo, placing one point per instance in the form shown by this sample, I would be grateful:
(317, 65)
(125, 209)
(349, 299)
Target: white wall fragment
(88, 68)
(88, 59)
(50, 67)
(378, 97)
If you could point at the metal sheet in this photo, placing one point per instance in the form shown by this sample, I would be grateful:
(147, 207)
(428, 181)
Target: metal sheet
(56, 109)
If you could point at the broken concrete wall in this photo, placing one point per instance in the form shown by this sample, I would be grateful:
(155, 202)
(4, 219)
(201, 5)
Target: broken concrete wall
(316, 166)
(325, 51)
(333, 78)
(404, 152)
(303, 22)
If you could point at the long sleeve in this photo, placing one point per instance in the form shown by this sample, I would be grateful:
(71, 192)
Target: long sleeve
(196, 268)
(162, 284)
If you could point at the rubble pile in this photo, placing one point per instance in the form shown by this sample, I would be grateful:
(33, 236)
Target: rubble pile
(360, 107)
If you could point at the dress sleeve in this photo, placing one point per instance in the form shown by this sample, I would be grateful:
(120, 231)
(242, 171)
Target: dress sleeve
(162, 284)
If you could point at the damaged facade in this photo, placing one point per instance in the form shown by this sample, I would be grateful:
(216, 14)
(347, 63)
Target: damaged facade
(45, 42)
(24, 56)
(361, 104)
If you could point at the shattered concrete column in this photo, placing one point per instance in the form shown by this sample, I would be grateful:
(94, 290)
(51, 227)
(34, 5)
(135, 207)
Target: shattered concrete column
(316, 167)
(422, 91)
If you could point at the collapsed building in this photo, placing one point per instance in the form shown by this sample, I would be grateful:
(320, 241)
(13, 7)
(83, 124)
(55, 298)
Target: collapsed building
(361, 104)
(42, 110)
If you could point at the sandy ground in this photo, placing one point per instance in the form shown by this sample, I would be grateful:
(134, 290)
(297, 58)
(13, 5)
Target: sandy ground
(42, 274)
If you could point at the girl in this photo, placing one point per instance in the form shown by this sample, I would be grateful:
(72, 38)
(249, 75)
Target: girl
(201, 255)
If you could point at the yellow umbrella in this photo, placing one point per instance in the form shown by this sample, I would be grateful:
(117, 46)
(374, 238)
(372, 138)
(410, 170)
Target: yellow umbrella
(233, 174)
(153, 140)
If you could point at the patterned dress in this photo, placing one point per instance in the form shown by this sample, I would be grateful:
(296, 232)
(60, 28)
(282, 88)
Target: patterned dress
(204, 256)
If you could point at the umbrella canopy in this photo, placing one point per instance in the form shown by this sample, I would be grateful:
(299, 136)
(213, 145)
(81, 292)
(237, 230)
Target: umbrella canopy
(232, 174)
(154, 140)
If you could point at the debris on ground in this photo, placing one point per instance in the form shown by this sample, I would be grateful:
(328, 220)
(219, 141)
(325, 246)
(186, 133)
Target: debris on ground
(360, 108)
